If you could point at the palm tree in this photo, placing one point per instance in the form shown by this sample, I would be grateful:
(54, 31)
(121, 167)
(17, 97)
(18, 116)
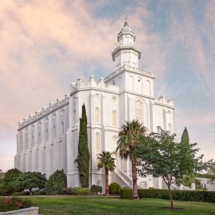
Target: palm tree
(106, 161)
(128, 139)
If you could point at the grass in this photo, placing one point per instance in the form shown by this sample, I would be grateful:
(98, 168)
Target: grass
(70, 205)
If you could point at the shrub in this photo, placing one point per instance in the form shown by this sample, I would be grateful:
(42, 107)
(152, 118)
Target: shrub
(126, 193)
(7, 204)
(95, 189)
(80, 191)
(56, 183)
(114, 188)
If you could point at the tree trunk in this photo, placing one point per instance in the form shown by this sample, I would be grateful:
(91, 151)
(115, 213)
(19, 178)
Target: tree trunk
(106, 182)
(134, 177)
(170, 196)
(30, 192)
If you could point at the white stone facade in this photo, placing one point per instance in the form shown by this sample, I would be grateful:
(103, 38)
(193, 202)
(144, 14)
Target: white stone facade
(48, 140)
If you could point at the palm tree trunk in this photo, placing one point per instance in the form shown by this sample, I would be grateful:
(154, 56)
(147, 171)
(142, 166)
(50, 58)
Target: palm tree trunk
(106, 182)
(134, 177)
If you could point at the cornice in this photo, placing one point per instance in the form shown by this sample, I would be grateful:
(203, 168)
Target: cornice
(40, 116)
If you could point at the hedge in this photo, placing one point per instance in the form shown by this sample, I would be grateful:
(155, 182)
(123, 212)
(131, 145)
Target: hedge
(126, 193)
(183, 195)
(78, 191)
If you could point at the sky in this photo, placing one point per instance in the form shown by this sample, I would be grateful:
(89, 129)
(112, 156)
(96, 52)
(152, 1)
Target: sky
(47, 45)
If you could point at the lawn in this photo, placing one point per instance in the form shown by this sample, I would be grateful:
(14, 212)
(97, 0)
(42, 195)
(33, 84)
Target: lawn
(70, 205)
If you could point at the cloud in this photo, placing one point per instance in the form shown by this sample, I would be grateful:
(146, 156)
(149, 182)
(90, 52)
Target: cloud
(46, 45)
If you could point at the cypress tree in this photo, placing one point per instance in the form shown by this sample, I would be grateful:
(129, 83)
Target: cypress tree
(185, 136)
(83, 151)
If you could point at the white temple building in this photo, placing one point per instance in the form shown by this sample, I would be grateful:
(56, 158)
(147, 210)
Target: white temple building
(48, 140)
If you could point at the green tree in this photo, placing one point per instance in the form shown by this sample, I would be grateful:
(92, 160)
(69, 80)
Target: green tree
(162, 157)
(1, 174)
(106, 161)
(128, 140)
(211, 172)
(83, 151)
(30, 180)
(56, 183)
(10, 177)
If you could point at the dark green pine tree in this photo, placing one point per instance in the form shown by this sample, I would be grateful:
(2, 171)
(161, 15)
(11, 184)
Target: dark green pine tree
(185, 136)
(83, 151)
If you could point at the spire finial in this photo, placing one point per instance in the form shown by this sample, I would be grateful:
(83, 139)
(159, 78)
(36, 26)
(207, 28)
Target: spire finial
(126, 23)
(126, 17)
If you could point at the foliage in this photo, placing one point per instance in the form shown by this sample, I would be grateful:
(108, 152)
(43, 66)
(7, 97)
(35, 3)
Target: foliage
(80, 191)
(95, 189)
(1, 174)
(56, 183)
(185, 136)
(6, 185)
(106, 161)
(114, 188)
(162, 157)
(7, 204)
(126, 193)
(211, 171)
(182, 195)
(30, 180)
(204, 175)
(40, 192)
(187, 180)
(129, 137)
(83, 151)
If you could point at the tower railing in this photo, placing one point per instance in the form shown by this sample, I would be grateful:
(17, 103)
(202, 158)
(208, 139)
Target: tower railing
(129, 68)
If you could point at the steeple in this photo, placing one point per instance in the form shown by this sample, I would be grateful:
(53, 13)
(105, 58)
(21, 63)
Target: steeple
(126, 52)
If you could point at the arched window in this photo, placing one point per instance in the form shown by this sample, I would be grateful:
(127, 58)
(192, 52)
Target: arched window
(32, 135)
(99, 183)
(170, 128)
(21, 142)
(39, 138)
(39, 132)
(97, 142)
(139, 111)
(54, 133)
(113, 118)
(148, 88)
(114, 138)
(47, 135)
(26, 139)
(62, 128)
(97, 96)
(97, 115)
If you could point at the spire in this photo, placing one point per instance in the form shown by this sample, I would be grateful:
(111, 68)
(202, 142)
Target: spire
(126, 23)
(126, 52)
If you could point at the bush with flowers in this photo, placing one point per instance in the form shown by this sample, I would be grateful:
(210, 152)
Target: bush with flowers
(14, 203)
